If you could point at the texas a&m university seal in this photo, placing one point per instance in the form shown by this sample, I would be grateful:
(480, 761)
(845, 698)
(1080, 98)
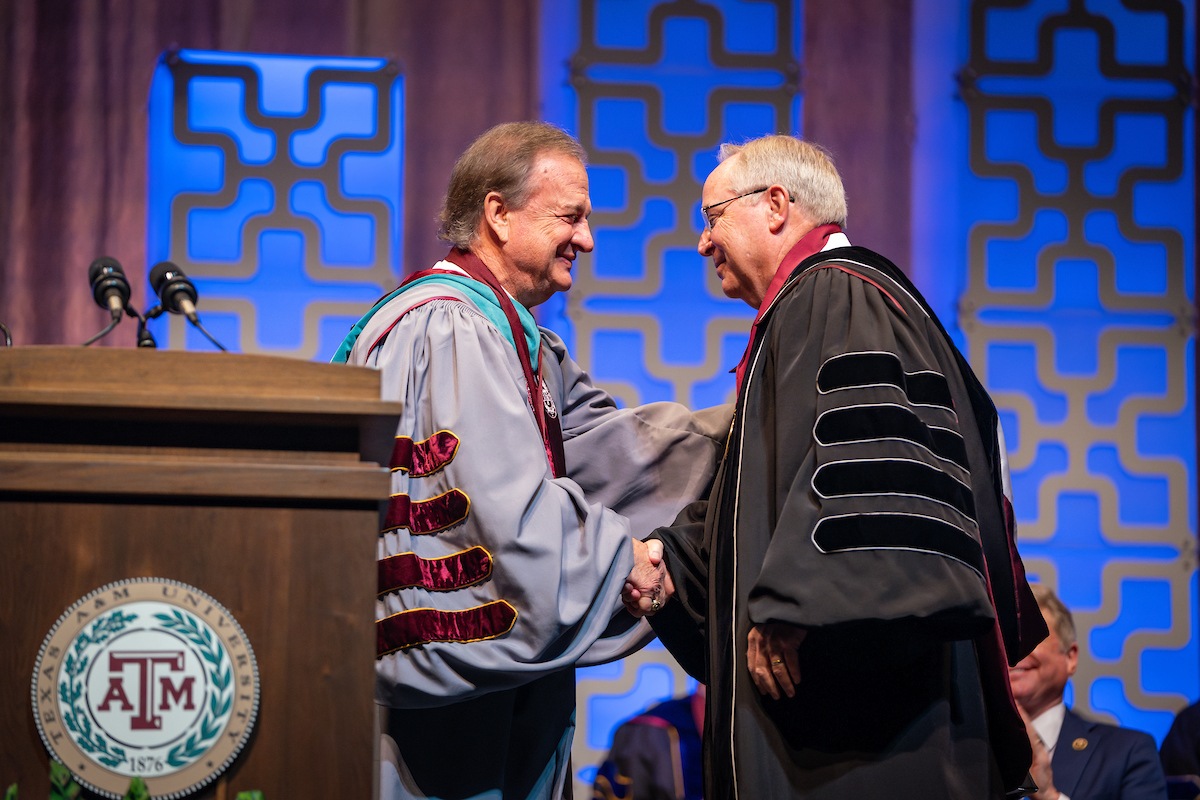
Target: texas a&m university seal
(146, 677)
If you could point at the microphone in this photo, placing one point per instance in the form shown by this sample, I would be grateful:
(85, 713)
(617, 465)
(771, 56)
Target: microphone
(174, 289)
(109, 285)
(177, 294)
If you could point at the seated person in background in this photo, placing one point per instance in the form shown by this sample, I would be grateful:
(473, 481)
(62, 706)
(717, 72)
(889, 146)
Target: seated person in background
(1073, 757)
(1180, 751)
(657, 754)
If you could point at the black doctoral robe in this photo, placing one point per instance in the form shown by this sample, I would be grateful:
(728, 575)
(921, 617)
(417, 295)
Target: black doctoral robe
(861, 498)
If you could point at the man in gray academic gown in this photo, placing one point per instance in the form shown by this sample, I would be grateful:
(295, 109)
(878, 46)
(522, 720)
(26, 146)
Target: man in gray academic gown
(516, 487)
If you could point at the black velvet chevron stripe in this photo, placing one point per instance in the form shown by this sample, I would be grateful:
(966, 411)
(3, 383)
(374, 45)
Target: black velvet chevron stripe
(950, 444)
(856, 370)
(928, 389)
(880, 476)
(870, 423)
(897, 532)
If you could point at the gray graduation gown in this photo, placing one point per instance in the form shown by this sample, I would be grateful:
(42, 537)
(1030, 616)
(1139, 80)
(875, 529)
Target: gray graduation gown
(501, 577)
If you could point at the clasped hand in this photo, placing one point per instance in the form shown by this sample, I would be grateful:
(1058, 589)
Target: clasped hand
(649, 585)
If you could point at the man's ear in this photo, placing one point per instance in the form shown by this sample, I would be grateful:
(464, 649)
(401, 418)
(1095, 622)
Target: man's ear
(495, 216)
(779, 203)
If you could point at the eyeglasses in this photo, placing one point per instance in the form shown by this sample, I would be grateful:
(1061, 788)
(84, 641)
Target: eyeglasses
(710, 219)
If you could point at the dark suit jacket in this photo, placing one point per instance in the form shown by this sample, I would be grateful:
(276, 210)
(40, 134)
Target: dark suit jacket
(1094, 761)
(1180, 751)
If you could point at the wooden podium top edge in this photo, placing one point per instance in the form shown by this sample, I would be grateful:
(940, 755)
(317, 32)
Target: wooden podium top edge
(68, 376)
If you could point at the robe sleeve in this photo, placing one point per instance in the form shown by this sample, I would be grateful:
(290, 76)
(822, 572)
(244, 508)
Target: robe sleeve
(682, 623)
(871, 466)
(646, 463)
(493, 573)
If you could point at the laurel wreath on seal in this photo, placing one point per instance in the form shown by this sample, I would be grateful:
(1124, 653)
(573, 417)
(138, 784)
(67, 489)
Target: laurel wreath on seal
(220, 694)
(70, 690)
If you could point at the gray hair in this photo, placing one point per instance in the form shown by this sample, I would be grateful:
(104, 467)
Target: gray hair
(500, 160)
(805, 169)
(1057, 615)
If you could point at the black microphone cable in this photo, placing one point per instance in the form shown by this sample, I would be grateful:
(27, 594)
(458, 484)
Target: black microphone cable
(7, 335)
(107, 330)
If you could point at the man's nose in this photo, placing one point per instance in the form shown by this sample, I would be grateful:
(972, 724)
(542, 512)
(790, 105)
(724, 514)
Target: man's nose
(583, 238)
(705, 246)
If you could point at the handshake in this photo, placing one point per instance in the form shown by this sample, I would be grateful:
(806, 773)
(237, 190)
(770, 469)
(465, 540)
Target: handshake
(649, 585)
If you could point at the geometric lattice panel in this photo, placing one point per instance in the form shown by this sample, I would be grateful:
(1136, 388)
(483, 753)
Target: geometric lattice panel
(275, 184)
(1074, 242)
(652, 89)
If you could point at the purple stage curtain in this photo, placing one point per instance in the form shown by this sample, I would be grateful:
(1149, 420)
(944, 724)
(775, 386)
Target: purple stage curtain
(74, 83)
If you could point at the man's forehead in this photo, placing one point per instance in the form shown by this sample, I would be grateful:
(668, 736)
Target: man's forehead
(554, 161)
(718, 179)
(554, 172)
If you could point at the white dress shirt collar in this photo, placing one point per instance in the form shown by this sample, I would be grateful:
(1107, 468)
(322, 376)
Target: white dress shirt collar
(1049, 723)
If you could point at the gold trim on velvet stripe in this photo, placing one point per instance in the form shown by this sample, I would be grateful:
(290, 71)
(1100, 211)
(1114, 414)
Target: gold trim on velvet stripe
(424, 517)
(426, 457)
(418, 626)
(444, 574)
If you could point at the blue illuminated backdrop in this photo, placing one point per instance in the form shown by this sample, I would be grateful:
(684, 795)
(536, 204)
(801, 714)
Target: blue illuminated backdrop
(1055, 210)
(275, 184)
(652, 89)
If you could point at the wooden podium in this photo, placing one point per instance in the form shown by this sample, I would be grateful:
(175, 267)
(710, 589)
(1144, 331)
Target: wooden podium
(254, 479)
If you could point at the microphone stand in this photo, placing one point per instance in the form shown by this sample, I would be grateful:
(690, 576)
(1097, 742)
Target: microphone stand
(144, 337)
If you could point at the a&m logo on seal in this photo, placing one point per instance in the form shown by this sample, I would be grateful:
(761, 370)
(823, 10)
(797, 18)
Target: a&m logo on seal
(146, 677)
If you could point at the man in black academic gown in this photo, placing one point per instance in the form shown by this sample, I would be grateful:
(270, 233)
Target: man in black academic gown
(851, 591)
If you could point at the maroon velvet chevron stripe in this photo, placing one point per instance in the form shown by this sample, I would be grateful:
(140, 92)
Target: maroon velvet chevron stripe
(425, 457)
(445, 574)
(425, 625)
(426, 516)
